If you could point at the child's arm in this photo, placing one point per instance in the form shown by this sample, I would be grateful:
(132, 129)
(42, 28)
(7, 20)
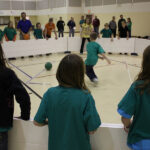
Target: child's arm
(92, 132)
(40, 124)
(127, 35)
(127, 122)
(6, 38)
(112, 37)
(104, 57)
(14, 39)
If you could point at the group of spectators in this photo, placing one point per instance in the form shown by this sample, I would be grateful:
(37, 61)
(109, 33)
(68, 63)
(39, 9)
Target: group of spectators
(87, 26)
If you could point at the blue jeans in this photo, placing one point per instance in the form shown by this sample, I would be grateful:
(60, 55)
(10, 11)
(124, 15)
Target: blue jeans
(3, 140)
(71, 32)
(61, 32)
(96, 29)
(90, 72)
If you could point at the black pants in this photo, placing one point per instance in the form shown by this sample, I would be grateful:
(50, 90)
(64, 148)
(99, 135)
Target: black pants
(90, 72)
(129, 33)
(113, 32)
(61, 33)
(48, 36)
(3, 140)
(83, 42)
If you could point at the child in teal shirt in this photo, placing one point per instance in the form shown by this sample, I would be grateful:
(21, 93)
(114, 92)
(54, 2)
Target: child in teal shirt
(10, 33)
(136, 104)
(69, 108)
(38, 33)
(93, 49)
(106, 32)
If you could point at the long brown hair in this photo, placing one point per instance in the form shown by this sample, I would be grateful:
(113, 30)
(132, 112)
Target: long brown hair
(144, 75)
(2, 58)
(71, 72)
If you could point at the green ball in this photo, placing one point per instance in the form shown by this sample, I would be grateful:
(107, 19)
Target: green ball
(48, 66)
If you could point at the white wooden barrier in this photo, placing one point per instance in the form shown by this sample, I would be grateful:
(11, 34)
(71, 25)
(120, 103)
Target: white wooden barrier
(36, 47)
(25, 136)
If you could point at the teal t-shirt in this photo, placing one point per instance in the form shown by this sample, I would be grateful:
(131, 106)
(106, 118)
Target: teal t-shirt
(71, 114)
(10, 33)
(137, 106)
(82, 21)
(4, 129)
(129, 25)
(1, 34)
(106, 33)
(38, 33)
(93, 49)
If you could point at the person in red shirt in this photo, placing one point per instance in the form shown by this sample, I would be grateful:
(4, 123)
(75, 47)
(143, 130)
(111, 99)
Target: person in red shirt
(49, 27)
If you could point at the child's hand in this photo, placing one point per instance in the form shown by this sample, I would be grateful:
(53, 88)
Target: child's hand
(126, 129)
(100, 57)
(109, 62)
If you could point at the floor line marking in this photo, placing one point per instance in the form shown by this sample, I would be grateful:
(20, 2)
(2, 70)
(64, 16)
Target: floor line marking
(20, 70)
(129, 74)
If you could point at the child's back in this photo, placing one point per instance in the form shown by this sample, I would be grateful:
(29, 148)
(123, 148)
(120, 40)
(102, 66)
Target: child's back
(69, 108)
(136, 104)
(93, 49)
(71, 114)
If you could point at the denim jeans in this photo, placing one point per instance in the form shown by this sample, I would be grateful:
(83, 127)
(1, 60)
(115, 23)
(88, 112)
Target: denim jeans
(61, 33)
(90, 72)
(96, 29)
(3, 140)
(71, 32)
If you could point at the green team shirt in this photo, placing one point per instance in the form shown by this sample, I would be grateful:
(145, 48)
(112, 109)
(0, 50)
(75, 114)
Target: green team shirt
(38, 33)
(1, 34)
(71, 114)
(10, 33)
(129, 25)
(4, 129)
(93, 49)
(106, 33)
(137, 106)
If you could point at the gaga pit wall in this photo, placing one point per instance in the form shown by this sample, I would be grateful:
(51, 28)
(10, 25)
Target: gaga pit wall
(42, 46)
(26, 136)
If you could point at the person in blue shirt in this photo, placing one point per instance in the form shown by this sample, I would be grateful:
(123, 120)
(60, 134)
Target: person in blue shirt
(135, 108)
(71, 24)
(93, 49)
(69, 108)
(24, 26)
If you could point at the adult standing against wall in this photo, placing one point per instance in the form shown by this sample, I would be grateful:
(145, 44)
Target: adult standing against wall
(49, 27)
(71, 24)
(82, 21)
(129, 25)
(113, 26)
(24, 26)
(96, 24)
(120, 22)
(87, 28)
(123, 31)
(60, 26)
